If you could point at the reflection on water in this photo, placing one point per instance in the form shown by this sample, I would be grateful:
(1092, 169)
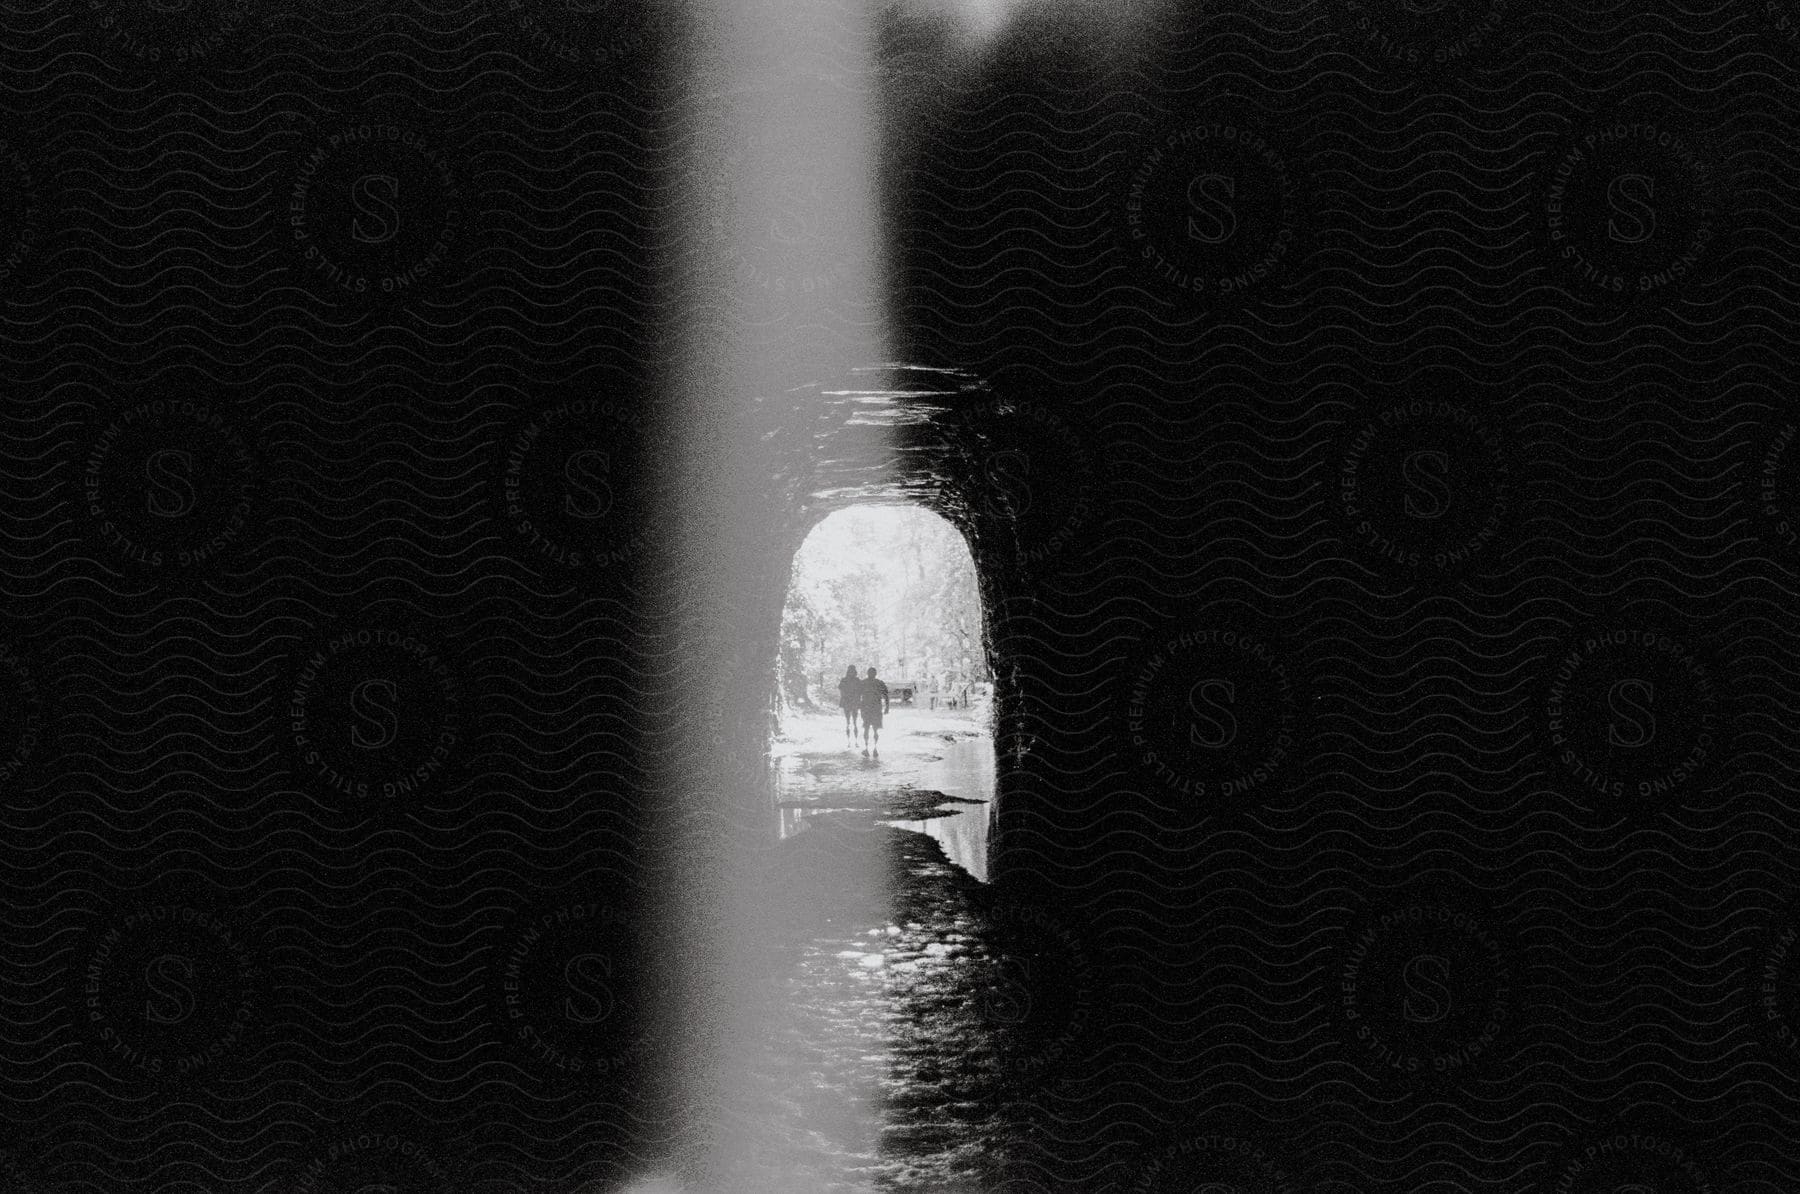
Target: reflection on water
(883, 976)
(966, 770)
(950, 754)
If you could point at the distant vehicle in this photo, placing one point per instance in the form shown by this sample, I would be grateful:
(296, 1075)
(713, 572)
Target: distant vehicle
(901, 692)
(954, 696)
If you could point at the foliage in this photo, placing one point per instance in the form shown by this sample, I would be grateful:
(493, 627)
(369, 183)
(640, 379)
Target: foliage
(886, 587)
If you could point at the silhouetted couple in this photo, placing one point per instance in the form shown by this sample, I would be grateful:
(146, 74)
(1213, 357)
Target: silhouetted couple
(867, 699)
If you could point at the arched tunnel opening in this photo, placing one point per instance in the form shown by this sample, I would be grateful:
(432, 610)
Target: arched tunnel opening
(941, 446)
(882, 689)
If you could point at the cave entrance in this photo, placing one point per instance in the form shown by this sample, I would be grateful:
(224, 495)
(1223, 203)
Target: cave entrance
(893, 588)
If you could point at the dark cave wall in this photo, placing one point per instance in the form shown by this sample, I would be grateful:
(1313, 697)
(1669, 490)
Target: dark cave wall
(1504, 552)
(1323, 595)
(1388, 586)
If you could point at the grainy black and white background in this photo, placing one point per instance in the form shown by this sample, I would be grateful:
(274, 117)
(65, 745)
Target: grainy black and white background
(1419, 373)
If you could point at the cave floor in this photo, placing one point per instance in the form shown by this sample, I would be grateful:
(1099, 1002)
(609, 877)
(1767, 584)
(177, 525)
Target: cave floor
(885, 1063)
(815, 765)
(934, 774)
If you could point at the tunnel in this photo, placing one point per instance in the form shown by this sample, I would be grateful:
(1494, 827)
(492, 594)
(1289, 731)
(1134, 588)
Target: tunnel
(772, 909)
(941, 440)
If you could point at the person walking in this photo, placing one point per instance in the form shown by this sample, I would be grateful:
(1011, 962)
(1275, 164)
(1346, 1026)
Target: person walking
(874, 706)
(850, 697)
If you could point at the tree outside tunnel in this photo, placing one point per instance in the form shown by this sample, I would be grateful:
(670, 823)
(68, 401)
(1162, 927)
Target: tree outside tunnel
(889, 587)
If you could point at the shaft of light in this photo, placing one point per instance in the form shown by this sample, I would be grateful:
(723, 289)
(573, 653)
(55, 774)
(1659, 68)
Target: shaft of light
(775, 255)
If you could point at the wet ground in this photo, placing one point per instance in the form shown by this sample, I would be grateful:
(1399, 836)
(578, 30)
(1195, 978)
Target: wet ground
(885, 1060)
(932, 772)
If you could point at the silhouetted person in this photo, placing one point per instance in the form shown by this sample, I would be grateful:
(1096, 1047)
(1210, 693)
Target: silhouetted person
(874, 706)
(850, 697)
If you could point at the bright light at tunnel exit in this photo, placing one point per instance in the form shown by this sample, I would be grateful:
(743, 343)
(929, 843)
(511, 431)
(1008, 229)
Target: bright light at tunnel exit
(913, 572)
